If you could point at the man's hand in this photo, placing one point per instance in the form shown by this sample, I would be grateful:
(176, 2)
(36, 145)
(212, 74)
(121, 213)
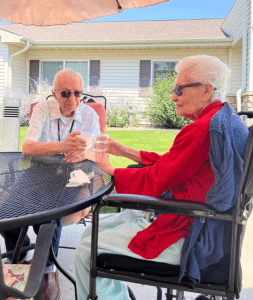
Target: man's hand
(74, 156)
(102, 161)
(73, 143)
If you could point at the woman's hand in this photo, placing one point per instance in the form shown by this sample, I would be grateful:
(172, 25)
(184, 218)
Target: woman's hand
(102, 161)
(114, 147)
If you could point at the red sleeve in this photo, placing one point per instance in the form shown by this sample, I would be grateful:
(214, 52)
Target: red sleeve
(188, 153)
(149, 158)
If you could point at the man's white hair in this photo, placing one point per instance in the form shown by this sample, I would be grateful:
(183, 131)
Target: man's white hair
(70, 73)
(207, 70)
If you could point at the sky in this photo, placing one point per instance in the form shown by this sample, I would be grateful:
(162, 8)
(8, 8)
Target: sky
(174, 10)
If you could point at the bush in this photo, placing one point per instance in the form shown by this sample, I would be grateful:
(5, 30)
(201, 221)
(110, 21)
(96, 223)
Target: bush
(117, 116)
(161, 110)
(28, 99)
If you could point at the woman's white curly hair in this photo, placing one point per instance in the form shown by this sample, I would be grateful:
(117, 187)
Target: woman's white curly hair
(207, 70)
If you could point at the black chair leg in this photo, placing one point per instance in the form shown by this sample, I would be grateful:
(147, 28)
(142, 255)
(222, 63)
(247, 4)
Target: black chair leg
(159, 293)
(169, 295)
(230, 296)
(19, 244)
(180, 295)
(131, 294)
(61, 269)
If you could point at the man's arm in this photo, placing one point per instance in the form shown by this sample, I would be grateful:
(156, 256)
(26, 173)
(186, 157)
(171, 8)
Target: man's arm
(37, 149)
(70, 144)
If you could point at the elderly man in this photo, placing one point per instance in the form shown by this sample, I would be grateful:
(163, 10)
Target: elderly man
(193, 169)
(53, 129)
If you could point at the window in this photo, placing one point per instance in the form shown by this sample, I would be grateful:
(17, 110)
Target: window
(160, 68)
(81, 67)
(50, 68)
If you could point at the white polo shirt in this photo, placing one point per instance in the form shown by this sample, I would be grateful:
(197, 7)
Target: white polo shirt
(43, 126)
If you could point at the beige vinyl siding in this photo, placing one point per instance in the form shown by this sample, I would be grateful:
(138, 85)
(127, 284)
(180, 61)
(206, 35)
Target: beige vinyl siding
(18, 68)
(233, 24)
(3, 68)
(249, 50)
(236, 75)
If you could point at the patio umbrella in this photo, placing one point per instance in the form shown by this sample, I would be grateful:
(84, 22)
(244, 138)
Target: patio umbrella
(59, 12)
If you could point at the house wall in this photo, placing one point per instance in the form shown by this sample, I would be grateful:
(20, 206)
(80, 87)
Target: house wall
(18, 68)
(3, 68)
(236, 75)
(249, 50)
(119, 69)
(233, 24)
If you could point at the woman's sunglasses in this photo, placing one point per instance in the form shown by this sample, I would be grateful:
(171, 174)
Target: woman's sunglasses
(178, 89)
(67, 94)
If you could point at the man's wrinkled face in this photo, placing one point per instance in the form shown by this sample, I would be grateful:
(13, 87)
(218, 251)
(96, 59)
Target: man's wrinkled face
(69, 84)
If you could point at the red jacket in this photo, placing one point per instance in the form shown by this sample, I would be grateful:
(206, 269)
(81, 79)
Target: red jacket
(185, 170)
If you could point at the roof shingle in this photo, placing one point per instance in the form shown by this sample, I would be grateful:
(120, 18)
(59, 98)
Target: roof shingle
(122, 31)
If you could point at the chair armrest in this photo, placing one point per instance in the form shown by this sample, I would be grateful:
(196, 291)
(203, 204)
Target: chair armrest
(41, 252)
(135, 166)
(37, 269)
(163, 205)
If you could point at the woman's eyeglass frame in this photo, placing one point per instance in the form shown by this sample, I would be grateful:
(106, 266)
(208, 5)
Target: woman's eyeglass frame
(178, 88)
(67, 94)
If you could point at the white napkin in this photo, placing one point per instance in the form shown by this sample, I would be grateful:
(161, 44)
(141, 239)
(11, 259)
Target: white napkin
(77, 178)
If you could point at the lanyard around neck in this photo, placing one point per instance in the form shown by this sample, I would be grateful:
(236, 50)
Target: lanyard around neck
(59, 138)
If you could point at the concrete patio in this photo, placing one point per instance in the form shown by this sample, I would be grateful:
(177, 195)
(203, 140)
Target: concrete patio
(71, 236)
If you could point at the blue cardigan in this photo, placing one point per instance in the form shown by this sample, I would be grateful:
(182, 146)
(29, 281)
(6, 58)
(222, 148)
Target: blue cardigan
(204, 244)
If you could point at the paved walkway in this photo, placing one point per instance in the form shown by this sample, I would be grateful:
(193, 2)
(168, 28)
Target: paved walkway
(71, 236)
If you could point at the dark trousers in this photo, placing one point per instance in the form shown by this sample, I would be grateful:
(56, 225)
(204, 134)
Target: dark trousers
(11, 238)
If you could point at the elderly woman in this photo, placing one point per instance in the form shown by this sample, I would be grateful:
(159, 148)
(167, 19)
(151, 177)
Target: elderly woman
(184, 172)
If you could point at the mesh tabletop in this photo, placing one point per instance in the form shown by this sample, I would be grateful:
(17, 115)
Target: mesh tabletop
(33, 190)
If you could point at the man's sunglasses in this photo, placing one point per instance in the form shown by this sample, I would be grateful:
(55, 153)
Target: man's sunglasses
(67, 94)
(178, 89)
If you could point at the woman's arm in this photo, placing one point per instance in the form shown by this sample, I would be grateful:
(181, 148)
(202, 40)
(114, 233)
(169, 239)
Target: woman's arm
(116, 148)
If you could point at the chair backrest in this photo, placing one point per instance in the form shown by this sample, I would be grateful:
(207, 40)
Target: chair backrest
(98, 107)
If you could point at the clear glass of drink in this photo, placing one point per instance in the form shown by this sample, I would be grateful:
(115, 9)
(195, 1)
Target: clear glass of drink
(100, 142)
(89, 137)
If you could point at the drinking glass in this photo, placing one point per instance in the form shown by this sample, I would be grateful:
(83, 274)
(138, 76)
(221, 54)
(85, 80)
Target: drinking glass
(99, 144)
(89, 137)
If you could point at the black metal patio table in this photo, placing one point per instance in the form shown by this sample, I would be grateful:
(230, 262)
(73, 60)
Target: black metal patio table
(36, 190)
(33, 190)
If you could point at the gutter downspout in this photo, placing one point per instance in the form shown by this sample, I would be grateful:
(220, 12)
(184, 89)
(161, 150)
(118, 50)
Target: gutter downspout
(10, 61)
(244, 59)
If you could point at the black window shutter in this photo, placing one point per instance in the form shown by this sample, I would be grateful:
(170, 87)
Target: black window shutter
(145, 76)
(94, 72)
(34, 74)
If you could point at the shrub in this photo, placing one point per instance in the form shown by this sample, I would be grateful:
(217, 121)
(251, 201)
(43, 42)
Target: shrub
(117, 116)
(28, 99)
(161, 110)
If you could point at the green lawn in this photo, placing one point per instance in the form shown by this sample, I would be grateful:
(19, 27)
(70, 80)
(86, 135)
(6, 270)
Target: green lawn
(149, 140)
(158, 141)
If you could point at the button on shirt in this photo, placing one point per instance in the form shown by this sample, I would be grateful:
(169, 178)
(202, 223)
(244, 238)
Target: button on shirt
(43, 126)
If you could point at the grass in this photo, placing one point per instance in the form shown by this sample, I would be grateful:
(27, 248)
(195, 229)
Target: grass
(158, 141)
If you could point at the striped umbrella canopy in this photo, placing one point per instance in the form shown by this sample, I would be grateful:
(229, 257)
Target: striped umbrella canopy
(59, 12)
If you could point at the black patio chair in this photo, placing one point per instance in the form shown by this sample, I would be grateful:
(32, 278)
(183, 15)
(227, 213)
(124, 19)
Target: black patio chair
(34, 283)
(226, 284)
